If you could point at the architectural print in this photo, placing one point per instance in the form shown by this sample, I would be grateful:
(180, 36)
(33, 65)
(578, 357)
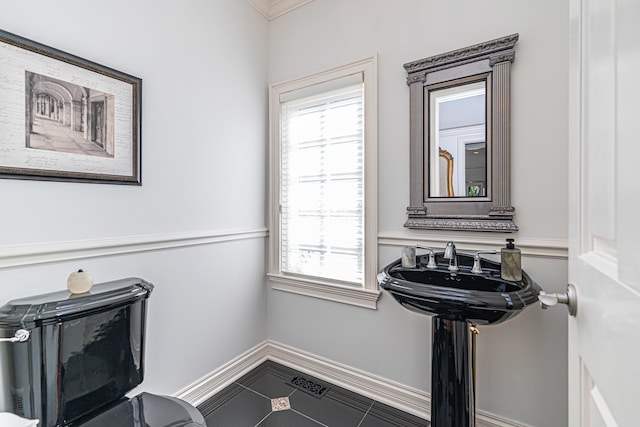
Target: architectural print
(65, 117)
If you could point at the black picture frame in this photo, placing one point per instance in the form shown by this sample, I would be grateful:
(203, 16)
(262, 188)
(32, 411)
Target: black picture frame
(65, 118)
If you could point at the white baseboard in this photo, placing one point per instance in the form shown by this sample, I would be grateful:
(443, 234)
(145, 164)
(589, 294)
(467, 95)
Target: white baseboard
(394, 394)
(383, 390)
(212, 383)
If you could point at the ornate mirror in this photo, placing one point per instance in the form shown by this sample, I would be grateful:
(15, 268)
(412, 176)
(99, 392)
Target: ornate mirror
(460, 164)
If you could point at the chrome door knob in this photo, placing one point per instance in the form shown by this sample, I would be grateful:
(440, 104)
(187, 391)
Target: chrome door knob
(570, 298)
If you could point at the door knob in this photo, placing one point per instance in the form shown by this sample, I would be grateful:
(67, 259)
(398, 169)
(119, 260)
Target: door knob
(570, 298)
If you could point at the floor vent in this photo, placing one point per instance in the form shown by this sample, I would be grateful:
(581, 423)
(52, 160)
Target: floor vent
(309, 387)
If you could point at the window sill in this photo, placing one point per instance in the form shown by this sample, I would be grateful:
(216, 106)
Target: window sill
(360, 297)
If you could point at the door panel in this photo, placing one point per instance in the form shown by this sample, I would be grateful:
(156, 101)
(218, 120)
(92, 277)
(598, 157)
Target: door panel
(596, 406)
(604, 236)
(628, 129)
(609, 343)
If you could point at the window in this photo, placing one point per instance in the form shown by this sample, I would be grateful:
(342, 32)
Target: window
(323, 222)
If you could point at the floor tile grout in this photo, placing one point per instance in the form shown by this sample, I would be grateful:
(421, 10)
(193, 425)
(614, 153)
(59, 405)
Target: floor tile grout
(252, 390)
(365, 414)
(265, 417)
(306, 416)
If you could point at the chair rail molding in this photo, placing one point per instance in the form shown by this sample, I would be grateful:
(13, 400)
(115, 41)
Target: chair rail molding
(533, 247)
(272, 9)
(32, 254)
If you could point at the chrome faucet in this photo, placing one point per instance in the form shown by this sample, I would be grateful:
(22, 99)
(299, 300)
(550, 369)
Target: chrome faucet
(431, 265)
(477, 269)
(451, 255)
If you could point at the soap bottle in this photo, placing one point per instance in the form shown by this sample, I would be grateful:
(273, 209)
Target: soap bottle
(511, 262)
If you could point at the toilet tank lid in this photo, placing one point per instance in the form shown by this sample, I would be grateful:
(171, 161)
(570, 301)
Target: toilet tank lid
(63, 305)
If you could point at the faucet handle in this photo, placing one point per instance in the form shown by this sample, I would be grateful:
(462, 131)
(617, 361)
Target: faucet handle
(477, 269)
(449, 251)
(431, 265)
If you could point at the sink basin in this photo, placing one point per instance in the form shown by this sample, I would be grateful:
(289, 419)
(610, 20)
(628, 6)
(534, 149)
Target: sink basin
(480, 299)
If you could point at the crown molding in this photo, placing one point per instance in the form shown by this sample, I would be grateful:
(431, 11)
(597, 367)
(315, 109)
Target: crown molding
(272, 9)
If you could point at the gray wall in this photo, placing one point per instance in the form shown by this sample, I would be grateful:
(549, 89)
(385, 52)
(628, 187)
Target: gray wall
(520, 362)
(205, 68)
(203, 65)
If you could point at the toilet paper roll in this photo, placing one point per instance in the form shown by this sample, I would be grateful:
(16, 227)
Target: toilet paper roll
(79, 282)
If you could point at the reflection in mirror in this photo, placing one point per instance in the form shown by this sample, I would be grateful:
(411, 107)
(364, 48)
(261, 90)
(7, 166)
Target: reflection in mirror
(457, 124)
(460, 128)
(445, 172)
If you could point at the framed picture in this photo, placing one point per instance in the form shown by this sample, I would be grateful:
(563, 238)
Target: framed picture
(64, 118)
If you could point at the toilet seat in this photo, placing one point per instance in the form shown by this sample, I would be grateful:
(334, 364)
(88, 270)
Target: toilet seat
(146, 410)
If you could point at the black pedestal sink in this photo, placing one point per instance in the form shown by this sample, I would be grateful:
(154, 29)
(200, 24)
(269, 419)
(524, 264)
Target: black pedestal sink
(458, 301)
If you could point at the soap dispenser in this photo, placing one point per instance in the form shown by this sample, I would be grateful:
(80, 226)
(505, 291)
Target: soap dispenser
(511, 262)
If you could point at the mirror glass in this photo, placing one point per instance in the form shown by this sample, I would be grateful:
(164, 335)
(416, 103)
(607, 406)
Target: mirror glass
(457, 152)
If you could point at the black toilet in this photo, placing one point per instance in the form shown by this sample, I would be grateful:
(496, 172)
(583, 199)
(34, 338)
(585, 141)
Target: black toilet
(84, 353)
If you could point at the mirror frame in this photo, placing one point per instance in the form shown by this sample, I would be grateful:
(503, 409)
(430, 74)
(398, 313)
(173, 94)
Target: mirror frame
(490, 60)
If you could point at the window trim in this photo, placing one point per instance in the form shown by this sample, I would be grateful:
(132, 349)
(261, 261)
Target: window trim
(367, 295)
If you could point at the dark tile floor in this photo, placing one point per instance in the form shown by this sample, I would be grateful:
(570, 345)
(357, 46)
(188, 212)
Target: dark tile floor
(264, 398)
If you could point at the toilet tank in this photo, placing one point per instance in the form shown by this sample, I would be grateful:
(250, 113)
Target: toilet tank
(84, 351)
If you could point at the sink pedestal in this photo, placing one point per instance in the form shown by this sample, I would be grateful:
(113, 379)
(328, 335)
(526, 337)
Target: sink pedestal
(452, 391)
(456, 301)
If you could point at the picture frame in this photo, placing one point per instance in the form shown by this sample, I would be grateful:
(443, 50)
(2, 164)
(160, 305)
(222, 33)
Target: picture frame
(65, 118)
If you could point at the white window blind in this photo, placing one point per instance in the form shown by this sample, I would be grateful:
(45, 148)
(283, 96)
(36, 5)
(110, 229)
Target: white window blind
(322, 183)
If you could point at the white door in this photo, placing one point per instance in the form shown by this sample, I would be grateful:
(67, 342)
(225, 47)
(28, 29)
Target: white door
(604, 223)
